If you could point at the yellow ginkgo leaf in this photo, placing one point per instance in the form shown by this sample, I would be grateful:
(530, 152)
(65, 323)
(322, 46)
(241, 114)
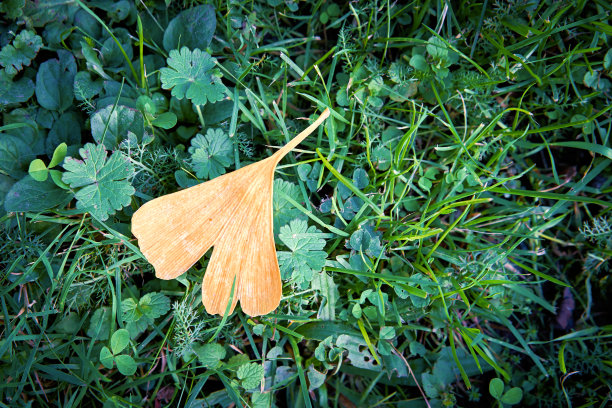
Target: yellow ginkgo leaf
(233, 213)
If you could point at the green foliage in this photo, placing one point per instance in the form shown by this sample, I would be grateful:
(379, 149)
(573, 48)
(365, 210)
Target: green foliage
(54, 82)
(511, 397)
(447, 226)
(29, 194)
(139, 314)
(103, 185)
(20, 52)
(111, 125)
(250, 375)
(210, 355)
(192, 75)
(192, 28)
(211, 154)
(305, 256)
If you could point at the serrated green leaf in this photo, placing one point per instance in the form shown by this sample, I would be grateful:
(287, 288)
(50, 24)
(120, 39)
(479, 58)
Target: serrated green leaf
(106, 357)
(20, 52)
(261, 400)
(125, 364)
(58, 155)
(211, 154)
(119, 340)
(210, 354)
(154, 305)
(192, 74)
(111, 125)
(38, 170)
(103, 184)
(12, 8)
(436, 48)
(149, 307)
(306, 256)
(250, 375)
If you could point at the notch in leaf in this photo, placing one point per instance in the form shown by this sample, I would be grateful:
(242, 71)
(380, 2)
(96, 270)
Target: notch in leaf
(233, 213)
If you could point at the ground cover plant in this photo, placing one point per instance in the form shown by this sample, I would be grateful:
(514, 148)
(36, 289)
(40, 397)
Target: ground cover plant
(443, 241)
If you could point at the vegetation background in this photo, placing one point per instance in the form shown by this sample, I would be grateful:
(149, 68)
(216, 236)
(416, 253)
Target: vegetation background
(443, 241)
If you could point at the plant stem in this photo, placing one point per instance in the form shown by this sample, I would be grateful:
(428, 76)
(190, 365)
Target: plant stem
(200, 116)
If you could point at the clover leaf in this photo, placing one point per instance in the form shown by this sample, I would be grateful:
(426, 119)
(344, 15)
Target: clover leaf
(21, 52)
(119, 341)
(211, 154)
(103, 183)
(306, 256)
(192, 74)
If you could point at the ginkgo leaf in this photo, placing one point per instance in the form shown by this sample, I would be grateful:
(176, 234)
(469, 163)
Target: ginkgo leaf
(103, 183)
(211, 153)
(233, 213)
(306, 256)
(192, 74)
(21, 52)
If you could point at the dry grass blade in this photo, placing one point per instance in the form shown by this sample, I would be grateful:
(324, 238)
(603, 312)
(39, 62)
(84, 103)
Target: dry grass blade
(233, 213)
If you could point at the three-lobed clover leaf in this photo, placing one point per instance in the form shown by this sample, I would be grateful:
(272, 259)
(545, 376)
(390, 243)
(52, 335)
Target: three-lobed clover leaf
(21, 52)
(211, 153)
(103, 184)
(306, 256)
(125, 363)
(191, 74)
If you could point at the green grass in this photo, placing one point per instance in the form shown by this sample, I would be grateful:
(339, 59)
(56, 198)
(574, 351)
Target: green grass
(462, 187)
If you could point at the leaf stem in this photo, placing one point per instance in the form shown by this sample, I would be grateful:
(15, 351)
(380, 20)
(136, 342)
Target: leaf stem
(200, 116)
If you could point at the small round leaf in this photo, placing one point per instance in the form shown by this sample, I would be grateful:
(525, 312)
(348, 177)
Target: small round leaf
(119, 340)
(125, 364)
(166, 120)
(58, 155)
(513, 396)
(56, 176)
(496, 388)
(106, 357)
(38, 170)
